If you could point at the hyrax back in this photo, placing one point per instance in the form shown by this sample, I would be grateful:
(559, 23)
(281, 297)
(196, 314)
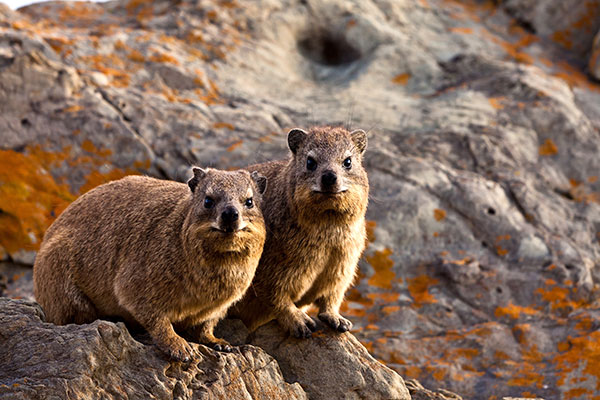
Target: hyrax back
(314, 210)
(156, 253)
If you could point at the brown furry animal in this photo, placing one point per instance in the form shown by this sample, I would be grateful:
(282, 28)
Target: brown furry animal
(314, 210)
(155, 254)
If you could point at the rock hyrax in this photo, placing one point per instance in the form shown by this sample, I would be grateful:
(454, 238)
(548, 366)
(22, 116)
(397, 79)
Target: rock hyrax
(156, 253)
(314, 210)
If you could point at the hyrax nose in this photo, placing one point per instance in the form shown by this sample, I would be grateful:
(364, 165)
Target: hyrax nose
(329, 178)
(230, 214)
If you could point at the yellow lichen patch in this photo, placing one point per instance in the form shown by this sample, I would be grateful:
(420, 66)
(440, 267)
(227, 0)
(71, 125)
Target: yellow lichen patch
(401, 79)
(221, 125)
(160, 57)
(462, 30)
(30, 199)
(575, 77)
(383, 297)
(387, 310)
(439, 214)
(418, 287)
(136, 56)
(382, 264)
(581, 193)
(495, 102)
(548, 148)
(501, 251)
(370, 226)
(235, 145)
(581, 353)
(514, 311)
(558, 298)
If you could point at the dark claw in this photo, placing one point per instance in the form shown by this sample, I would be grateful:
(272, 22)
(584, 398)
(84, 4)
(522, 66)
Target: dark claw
(343, 328)
(227, 348)
(311, 325)
(218, 347)
(302, 332)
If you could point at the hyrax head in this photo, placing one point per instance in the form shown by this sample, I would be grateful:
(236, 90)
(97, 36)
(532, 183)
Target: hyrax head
(226, 203)
(328, 170)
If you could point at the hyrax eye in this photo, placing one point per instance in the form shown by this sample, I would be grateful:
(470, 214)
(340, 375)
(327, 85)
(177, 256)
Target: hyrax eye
(209, 202)
(249, 203)
(311, 164)
(347, 163)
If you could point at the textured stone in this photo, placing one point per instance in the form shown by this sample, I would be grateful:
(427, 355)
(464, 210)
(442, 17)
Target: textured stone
(41, 360)
(347, 372)
(482, 271)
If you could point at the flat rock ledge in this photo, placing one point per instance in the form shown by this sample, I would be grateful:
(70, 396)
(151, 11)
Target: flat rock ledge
(103, 361)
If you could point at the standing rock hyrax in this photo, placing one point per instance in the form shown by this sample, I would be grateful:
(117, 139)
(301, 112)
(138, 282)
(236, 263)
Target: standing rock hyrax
(314, 211)
(155, 253)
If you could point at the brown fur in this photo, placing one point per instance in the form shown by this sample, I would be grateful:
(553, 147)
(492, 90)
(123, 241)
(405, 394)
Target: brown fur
(150, 252)
(314, 240)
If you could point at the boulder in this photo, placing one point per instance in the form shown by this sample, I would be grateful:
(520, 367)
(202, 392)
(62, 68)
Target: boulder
(482, 271)
(102, 360)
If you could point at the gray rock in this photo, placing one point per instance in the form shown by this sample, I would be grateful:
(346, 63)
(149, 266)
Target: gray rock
(483, 153)
(347, 372)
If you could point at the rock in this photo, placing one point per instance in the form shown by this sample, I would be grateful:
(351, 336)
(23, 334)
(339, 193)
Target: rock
(101, 359)
(418, 392)
(594, 63)
(571, 23)
(484, 217)
(346, 372)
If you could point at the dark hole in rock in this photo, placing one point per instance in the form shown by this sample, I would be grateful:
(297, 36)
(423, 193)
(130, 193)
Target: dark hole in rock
(491, 211)
(484, 244)
(569, 266)
(499, 289)
(25, 122)
(328, 48)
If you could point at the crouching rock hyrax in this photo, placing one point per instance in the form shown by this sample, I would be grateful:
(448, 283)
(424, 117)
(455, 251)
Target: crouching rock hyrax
(155, 253)
(314, 211)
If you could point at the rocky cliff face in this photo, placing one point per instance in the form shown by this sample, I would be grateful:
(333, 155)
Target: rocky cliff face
(482, 271)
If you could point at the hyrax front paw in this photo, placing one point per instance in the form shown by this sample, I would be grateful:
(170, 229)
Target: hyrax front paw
(220, 345)
(335, 321)
(178, 349)
(302, 328)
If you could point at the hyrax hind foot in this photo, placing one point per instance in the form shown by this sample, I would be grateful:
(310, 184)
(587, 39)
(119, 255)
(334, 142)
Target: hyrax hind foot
(335, 321)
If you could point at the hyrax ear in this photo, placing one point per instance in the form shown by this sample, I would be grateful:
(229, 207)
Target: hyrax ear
(359, 138)
(199, 174)
(295, 138)
(260, 180)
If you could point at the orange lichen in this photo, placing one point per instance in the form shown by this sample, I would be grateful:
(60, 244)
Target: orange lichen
(418, 287)
(439, 214)
(370, 226)
(495, 102)
(401, 79)
(235, 145)
(501, 251)
(221, 125)
(463, 30)
(30, 199)
(136, 56)
(548, 148)
(382, 264)
(514, 311)
(160, 57)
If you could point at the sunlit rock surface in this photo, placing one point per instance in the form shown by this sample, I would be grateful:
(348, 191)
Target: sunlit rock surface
(481, 276)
